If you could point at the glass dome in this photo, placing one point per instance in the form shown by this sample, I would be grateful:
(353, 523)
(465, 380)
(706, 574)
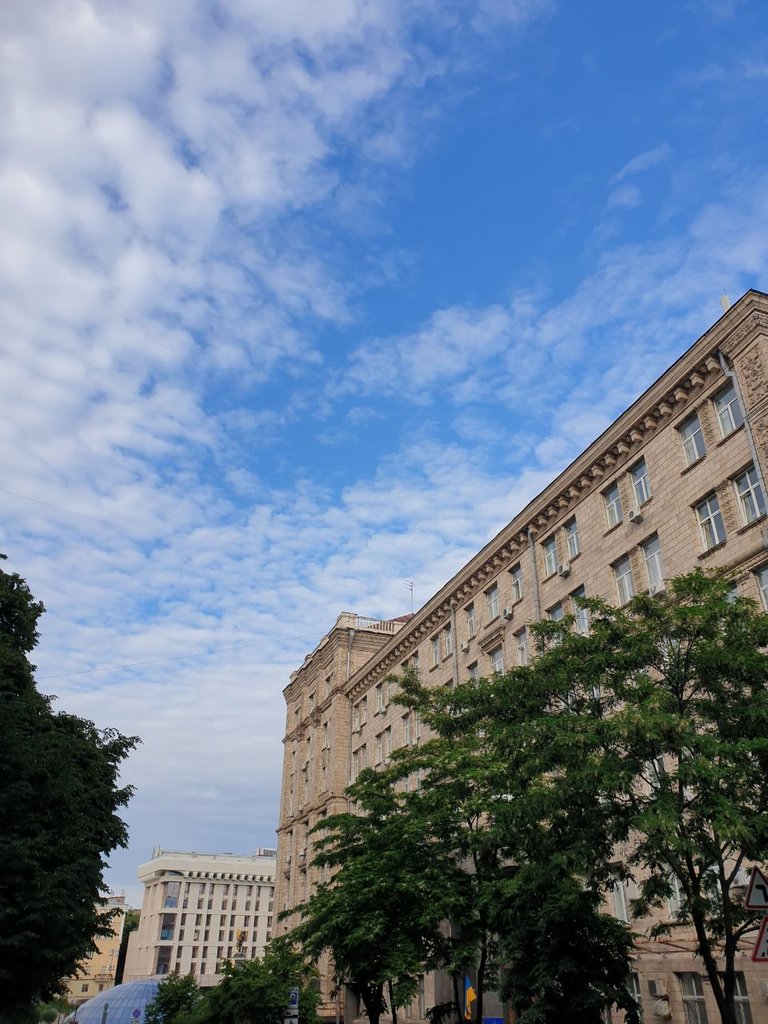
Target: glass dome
(124, 1004)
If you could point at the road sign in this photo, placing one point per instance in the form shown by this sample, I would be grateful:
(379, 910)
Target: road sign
(760, 952)
(757, 891)
(293, 997)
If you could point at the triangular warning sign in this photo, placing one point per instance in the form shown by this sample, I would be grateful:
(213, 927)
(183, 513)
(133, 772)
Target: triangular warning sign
(757, 891)
(760, 952)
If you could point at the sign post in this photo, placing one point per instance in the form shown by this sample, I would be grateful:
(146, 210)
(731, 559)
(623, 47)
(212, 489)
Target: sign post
(291, 1014)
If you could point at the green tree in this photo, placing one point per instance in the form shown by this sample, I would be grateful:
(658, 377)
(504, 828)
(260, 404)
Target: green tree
(59, 794)
(257, 990)
(682, 705)
(176, 995)
(379, 916)
(534, 855)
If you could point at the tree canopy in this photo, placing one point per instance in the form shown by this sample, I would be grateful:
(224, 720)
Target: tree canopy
(250, 990)
(59, 796)
(635, 751)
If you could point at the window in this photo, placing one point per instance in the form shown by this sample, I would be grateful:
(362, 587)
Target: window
(470, 613)
(710, 521)
(654, 570)
(474, 672)
(356, 718)
(728, 409)
(517, 582)
(762, 583)
(326, 742)
(633, 987)
(750, 495)
(572, 538)
(448, 641)
(556, 612)
(692, 440)
(676, 897)
(492, 601)
(379, 748)
(435, 647)
(380, 705)
(741, 1000)
(497, 660)
(521, 642)
(619, 897)
(622, 571)
(694, 1007)
(312, 701)
(407, 730)
(363, 711)
(550, 556)
(641, 482)
(580, 615)
(388, 741)
(612, 500)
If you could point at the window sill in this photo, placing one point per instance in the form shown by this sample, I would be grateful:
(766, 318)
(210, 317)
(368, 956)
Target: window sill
(715, 547)
(693, 465)
(490, 622)
(615, 526)
(743, 529)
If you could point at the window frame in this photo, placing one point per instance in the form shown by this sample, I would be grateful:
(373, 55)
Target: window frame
(641, 482)
(653, 557)
(496, 670)
(434, 643)
(692, 441)
(469, 611)
(614, 511)
(580, 615)
(725, 412)
(625, 593)
(516, 573)
(549, 547)
(708, 523)
(492, 601)
(572, 538)
(694, 1001)
(522, 647)
(752, 495)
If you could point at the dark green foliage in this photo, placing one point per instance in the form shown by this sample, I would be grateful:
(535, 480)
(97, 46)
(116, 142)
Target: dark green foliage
(176, 995)
(380, 916)
(59, 794)
(251, 992)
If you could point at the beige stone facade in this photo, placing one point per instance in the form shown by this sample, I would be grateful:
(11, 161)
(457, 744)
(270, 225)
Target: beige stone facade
(199, 909)
(677, 481)
(97, 972)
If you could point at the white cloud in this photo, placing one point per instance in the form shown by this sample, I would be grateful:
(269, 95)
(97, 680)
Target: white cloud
(644, 161)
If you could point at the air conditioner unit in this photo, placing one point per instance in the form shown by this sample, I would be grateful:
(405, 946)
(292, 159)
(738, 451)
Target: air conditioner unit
(656, 588)
(507, 613)
(661, 1009)
(657, 988)
(764, 991)
(635, 515)
(465, 645)
(564, 569)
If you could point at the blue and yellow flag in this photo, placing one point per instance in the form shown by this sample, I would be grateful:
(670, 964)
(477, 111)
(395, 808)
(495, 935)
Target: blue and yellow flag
(469, 997)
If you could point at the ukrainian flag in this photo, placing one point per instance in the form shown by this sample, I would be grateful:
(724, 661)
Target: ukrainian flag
(470, 996)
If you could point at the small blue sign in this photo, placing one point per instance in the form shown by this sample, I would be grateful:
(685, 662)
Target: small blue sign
(293, 997)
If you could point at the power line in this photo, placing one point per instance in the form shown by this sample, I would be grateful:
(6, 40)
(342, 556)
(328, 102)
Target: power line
(51, 504)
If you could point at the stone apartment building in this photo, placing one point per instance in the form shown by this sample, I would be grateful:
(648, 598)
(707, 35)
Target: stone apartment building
(677, 481)
(199, 909)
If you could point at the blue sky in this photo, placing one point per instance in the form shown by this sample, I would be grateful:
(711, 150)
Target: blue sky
(300, 300)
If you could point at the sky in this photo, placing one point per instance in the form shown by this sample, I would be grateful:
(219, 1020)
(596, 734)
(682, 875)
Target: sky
(300, 301)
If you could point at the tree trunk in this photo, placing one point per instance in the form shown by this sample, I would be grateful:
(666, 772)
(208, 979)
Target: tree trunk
(392, 1007)
(459, 1010)
(480, 979)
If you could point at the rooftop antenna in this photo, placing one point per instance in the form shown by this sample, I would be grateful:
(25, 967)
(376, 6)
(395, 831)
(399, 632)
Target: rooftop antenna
(409, 585)
(725, 302)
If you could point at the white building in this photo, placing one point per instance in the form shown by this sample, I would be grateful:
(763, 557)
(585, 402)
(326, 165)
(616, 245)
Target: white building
(199, 909)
